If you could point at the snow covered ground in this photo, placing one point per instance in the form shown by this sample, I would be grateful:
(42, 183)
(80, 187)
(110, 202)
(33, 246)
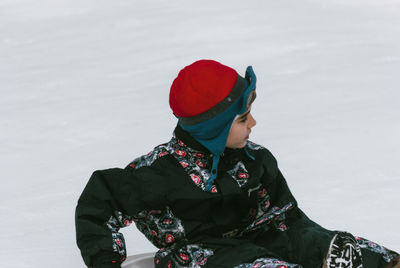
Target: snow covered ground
(84, 86)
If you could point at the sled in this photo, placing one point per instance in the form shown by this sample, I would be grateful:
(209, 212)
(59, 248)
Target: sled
(144, 260)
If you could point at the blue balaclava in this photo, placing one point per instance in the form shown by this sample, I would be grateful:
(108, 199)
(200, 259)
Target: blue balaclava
(206, 96)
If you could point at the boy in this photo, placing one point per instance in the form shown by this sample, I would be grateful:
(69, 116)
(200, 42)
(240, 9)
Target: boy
(209, 197)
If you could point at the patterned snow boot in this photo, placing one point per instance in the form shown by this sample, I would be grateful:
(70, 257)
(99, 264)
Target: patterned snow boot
(344, 252)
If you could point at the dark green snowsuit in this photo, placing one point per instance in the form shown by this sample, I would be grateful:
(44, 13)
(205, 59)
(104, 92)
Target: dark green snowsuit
(249, 214)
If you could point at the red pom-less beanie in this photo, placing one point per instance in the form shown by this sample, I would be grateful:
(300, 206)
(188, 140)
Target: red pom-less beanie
(200, 86)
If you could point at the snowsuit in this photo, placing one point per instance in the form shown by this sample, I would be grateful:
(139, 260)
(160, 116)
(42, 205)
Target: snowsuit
(249, 219)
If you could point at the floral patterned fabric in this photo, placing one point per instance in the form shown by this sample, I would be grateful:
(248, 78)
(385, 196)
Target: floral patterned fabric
(268, 263)
(250, 202)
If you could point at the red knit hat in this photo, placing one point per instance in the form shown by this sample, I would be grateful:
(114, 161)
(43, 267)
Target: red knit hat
(201, 86)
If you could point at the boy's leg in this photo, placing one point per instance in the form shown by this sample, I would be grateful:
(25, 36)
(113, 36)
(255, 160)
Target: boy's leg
(375, 255)
(304, 245)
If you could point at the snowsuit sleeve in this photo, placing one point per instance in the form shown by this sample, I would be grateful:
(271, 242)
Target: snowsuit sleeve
(302, 240)
(274, 181)
(281, 226)
(103, 208)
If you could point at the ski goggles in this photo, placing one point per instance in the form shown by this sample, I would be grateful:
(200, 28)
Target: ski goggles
(249, 94)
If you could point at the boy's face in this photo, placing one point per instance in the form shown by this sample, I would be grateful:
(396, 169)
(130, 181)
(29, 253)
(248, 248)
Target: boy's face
(240, 130)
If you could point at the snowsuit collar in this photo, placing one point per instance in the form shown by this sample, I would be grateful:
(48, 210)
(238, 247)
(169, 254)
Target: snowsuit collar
(229, 155)
(187, 139)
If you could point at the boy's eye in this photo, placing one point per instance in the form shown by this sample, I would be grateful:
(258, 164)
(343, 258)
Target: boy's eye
(243, 120)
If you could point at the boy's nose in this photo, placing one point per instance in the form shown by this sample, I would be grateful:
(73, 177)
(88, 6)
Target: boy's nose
(252, 121)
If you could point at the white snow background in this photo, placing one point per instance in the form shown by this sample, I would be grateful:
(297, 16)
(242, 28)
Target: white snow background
(84, 85)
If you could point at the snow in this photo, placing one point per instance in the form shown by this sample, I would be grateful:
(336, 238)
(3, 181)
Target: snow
(84, 86)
